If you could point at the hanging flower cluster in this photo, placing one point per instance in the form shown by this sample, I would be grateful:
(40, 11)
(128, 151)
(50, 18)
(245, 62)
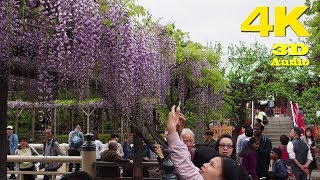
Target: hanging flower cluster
(81, 41)
(136, 60)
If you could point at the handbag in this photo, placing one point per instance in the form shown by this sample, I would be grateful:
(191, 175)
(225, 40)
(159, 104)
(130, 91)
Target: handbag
(313, 151)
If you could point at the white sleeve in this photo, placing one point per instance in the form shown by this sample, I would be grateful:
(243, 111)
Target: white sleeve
(120, 150)
(238, 146)
(291, 153)
(101, 145)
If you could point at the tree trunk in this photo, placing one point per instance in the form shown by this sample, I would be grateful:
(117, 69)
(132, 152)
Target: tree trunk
(137, 160)
(242, 116)
(200, 128)
(3, 118)
(5, 56)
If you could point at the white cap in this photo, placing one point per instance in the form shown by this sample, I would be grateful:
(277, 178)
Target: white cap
(10, 127)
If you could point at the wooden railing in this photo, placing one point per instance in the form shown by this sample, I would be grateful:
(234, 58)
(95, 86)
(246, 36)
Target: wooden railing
(71, 159)
(100, 165)
(35, 159)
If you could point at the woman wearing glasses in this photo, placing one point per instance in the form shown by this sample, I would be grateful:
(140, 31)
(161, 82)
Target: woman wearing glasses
(248, 155)
(225, 146)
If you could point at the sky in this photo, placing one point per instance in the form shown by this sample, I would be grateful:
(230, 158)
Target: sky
(219, 20)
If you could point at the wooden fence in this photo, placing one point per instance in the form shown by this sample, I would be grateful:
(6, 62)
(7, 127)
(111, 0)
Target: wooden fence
(317, 128)
(217, 131)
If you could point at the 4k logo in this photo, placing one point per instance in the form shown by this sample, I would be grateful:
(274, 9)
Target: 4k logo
(282, 20)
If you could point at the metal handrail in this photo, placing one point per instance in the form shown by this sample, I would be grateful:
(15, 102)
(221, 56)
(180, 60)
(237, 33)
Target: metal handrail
(293, 115)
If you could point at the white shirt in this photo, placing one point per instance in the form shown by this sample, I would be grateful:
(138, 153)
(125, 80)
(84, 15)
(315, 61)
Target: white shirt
(99, 147)
(240, 139)
(292, 155)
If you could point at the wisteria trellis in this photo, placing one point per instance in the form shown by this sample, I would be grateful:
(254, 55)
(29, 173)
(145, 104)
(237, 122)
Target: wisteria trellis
(72, 39)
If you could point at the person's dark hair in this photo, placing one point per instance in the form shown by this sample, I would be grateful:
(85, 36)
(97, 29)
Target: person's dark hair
(232, 171)
(261, 108)
(203, 154)
(297, 130)
(277, 151)
(233, 155)
(114, 135)
(248, 131)
(259, 125)
(311, 136)
(51, 130)
(95, 136)
(245, 125)
(249, 146)
(23, 138)
(208, 133)
(284, 139)
(78, 175)
(127, 135)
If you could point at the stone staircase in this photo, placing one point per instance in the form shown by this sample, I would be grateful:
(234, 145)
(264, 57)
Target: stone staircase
(279, 125)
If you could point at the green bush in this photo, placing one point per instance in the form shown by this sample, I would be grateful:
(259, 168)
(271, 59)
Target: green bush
(104, 138)
(63, 138)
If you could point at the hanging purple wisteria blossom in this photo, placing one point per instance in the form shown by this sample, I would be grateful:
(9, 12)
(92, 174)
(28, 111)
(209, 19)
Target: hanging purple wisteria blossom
(74, 42)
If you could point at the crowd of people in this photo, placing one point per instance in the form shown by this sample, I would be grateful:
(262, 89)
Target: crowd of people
(250, 157)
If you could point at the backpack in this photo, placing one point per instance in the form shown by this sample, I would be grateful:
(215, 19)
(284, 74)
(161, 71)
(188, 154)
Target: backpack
(265, 120)
(76, 140)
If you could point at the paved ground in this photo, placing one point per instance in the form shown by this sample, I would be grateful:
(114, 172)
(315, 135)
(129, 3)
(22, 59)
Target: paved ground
(315, 175)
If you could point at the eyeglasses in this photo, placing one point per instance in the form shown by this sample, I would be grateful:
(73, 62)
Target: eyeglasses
(228, 146)
(188, 142)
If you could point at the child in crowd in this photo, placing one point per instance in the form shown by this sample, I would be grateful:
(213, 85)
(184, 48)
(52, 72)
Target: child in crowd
(278, 167)
(283, 147)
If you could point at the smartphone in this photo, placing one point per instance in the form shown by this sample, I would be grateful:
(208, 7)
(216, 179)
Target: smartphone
(179, 104)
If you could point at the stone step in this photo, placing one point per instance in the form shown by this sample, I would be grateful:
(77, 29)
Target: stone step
(279, 124)
(278, 128)
(274, 139)
(277, 131)
(275, 136)
(275, 144)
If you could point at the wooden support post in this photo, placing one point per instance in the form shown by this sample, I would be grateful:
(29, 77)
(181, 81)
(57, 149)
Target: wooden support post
(55, 122)
(72, 118)
(33, 123)
(88, 113)
(122, 126)
(103, 118)
(17, 114)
